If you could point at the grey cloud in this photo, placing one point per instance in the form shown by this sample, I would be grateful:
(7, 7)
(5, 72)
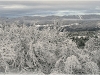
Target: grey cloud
(23, 8)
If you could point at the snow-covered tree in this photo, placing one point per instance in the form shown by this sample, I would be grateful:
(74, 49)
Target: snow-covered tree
(91, 68)
(71, 64)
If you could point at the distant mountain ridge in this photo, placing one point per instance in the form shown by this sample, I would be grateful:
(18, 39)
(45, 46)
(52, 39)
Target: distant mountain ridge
(65, 23)
(57, 17)
(91, 17)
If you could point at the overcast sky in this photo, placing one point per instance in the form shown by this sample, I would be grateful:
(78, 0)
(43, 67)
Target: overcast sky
(48, 7)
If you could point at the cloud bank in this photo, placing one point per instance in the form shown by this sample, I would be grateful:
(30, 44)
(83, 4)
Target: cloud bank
(31, 8)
